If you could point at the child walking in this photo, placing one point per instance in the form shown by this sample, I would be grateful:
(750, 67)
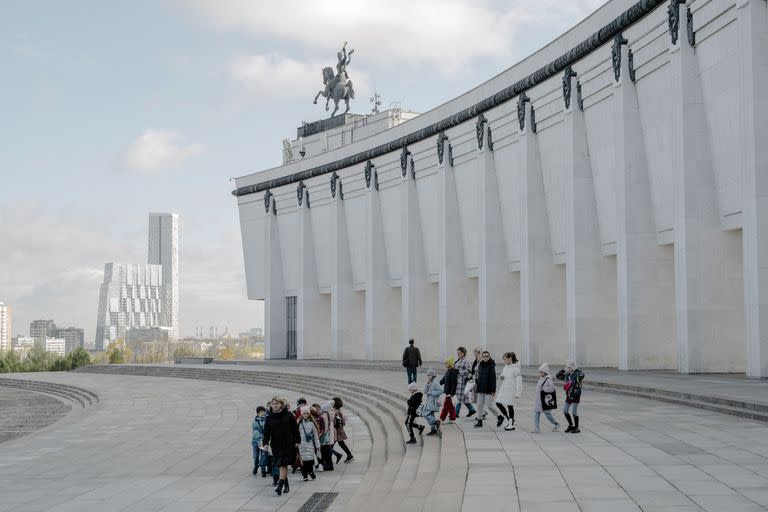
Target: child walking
(340, 435)
(414, 401)
(546, 385)
(309, 444)
(259, 455)
(432, 392)
(572, 376)
(449, 381)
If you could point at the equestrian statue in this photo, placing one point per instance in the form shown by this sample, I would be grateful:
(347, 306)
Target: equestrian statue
(338, 86)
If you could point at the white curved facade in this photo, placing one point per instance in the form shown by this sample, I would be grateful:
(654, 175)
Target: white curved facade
(628, 230)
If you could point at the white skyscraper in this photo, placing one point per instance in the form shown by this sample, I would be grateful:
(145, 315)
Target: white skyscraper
(6, 332)
(131, 296)
(164, 250)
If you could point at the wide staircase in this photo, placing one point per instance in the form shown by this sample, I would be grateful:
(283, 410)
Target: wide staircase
(430, 475)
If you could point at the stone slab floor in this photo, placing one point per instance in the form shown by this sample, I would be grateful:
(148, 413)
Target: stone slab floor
(155, 444)
(174, 444)
(633, 454)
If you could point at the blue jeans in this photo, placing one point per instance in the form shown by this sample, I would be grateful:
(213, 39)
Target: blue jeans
(259, 457)
(537, 419)
(431, 420)
(573, 408)
(411, 373)
(458, 408)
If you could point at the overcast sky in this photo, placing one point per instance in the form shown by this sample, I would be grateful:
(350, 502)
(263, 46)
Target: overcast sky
(110, 110)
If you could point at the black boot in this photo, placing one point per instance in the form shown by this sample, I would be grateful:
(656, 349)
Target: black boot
(338, 457)
(570, 422)
(255, 470)
(470, 414)
(421, 430)
(263, 472)
(478, 423)
(286, 487)
(499, 420)
(575, 429)
(279, 488)
(412, 440)
(274, 479)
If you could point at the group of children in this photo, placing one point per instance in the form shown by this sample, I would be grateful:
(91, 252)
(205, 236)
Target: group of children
(303, 438)
(478, 387)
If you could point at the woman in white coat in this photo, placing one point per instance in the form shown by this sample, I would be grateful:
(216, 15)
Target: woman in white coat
(510, 390)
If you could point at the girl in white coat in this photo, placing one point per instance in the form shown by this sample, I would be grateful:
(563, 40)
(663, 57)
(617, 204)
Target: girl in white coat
(510, 390)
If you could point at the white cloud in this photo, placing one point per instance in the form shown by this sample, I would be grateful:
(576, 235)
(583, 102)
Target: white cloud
(283, 77)
(447, 34)
(158, 150)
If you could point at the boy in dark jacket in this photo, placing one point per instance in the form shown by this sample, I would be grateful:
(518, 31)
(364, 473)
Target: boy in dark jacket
(449, 382)
(413, 405)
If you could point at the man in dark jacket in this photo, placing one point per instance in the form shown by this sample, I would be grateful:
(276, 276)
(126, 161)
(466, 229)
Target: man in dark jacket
(411, 360)
(485, 387)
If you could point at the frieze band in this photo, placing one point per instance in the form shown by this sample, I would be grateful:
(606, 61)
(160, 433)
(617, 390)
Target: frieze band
(628, 18)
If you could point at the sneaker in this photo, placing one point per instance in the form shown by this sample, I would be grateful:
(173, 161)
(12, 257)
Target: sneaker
(312, 476)
(575, 430)
(510, 425)
(421, 430)
(569, 429)
(499, 420)
(306, 478)
(255, 470)
(556, 428)
(338, 458)
(411, 441)
(432, 432)
(349, 459)
(536, 431)
(479, 423)
(470, 414)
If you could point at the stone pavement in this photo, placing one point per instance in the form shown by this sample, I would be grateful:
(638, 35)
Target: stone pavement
(24, 411)
(155, 444)
(179, 444)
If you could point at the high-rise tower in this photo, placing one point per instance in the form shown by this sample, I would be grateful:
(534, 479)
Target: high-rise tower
(164, 250)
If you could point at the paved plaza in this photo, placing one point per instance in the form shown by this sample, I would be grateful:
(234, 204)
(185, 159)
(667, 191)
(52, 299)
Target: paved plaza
(155, 443)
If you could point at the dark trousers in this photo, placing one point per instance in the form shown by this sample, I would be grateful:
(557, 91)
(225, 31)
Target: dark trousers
(343, 447)
(326, 457)
(410, 424)
(307, 467)
(508, 411)
(411, 373)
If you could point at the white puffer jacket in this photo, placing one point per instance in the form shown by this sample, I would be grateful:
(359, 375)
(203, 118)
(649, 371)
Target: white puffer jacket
(511, 385)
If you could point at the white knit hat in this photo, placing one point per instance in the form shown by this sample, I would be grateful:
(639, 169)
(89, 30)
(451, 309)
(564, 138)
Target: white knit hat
(571, 364)
(413, 386)
(431, 373)
(544, 368)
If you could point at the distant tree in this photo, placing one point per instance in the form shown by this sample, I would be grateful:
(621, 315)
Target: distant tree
(38, 360)
(61, 364)
(117, 353)
(226, 353)
(78, 357)
(10, 362)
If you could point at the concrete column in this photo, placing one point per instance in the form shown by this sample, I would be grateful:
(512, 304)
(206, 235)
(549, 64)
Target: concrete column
(542, 282)
(275, 323)
(498, 295)
(590, 276)
(454, 287)
(313, 310)
(752, 34)
(645, 271)
(347, 305)
(418, 297)
(708, 290)
(382, 302)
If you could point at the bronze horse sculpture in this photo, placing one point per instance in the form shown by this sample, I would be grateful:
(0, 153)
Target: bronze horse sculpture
(337, 88)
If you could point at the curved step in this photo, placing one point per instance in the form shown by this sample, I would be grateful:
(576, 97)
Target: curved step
(80, 396)
(395, 477)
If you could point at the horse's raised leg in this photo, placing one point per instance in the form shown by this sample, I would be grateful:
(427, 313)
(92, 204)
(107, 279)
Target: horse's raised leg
(317, 96)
